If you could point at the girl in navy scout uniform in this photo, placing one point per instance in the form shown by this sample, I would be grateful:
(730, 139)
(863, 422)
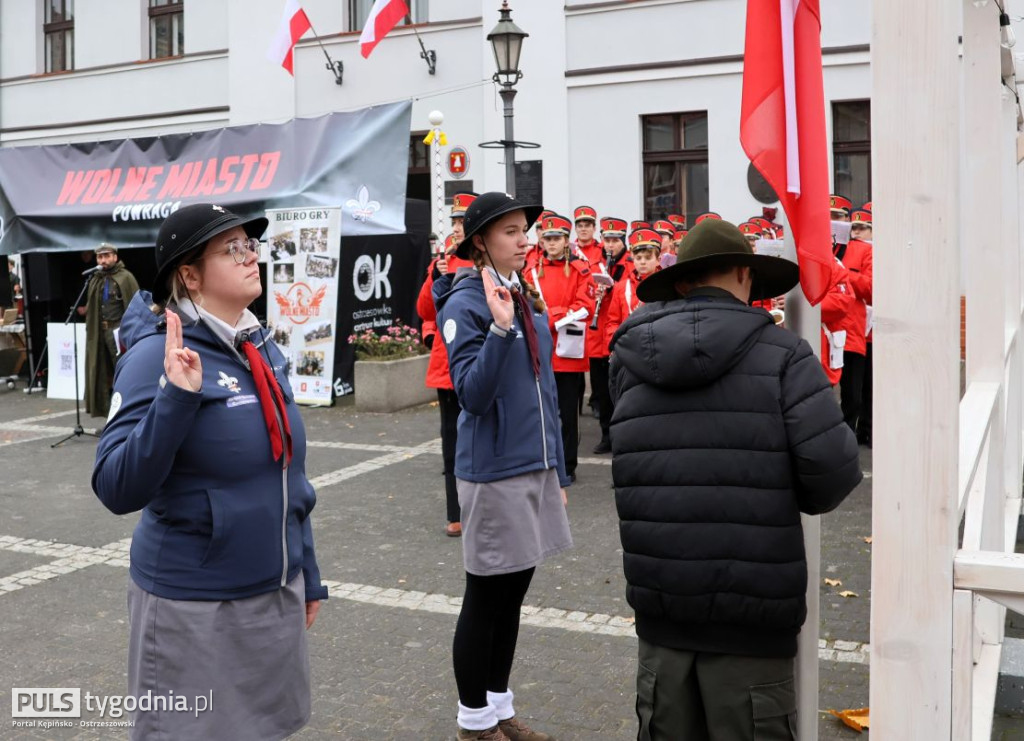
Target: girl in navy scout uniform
(204, 437)
(509, 463)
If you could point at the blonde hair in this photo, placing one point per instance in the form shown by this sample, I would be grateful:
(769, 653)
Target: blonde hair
(177, 292)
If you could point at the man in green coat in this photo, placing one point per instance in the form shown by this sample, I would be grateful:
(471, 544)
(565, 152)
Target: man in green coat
(110, 290)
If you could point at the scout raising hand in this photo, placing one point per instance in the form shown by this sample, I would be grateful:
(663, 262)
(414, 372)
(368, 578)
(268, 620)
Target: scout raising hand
(182, 366)
(499, 301)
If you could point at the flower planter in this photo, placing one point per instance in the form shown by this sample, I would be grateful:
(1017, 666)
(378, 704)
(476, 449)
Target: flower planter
(390, 385)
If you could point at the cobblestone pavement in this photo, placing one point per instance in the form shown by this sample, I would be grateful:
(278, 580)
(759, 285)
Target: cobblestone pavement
(381, 646)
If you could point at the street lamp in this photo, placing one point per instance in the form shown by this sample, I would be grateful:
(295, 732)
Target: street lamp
(507, 42)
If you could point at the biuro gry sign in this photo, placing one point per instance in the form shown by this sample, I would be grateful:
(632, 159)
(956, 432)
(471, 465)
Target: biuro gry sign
(46, 702)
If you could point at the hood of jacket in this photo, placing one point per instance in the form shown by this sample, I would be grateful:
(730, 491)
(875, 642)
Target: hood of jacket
(690, 342)
(139, 322)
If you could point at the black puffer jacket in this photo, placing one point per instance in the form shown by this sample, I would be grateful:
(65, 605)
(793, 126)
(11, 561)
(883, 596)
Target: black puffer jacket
(725, 430)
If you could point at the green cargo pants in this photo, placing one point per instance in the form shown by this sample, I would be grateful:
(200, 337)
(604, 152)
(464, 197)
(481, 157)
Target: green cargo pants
(694, 696)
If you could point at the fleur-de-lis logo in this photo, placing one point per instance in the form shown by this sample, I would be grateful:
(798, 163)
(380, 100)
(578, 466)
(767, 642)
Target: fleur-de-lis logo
(228, 382)
(363, 208)
(218, 208)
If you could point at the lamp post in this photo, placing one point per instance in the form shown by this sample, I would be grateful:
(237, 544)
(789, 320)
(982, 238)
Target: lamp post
(507, 42)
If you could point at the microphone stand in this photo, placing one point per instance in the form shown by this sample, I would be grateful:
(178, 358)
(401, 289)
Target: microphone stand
(73, 321)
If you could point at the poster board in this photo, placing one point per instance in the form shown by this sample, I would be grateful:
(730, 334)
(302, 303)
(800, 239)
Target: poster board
(61, 360)
(304, 246)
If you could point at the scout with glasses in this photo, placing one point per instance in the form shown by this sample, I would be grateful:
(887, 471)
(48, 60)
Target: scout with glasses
(205, 439)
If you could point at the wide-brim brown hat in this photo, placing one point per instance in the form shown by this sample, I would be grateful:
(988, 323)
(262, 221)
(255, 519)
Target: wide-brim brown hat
(485, 209)
(716, 243)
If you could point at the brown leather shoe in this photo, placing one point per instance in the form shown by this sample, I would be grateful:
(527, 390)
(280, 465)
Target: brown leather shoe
(516, 730)
(453, 530)
(491, 734)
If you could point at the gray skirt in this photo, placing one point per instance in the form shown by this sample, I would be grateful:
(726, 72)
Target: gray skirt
(249, 653)
(512, 524)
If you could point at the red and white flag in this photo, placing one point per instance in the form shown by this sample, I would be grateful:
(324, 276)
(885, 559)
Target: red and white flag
(782, 126)
(293, 24)
(384, 15)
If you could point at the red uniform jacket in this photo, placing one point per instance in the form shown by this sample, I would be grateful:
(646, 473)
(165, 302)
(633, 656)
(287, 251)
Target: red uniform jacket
(597, 339)
(835, 309)
(852, 257)
(858, 259)
(564, 293)
(622, 302)
(438, 376)
(590, 252)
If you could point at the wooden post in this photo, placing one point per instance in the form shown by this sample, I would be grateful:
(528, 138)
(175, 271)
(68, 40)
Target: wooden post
(984, 144)
(915, 167)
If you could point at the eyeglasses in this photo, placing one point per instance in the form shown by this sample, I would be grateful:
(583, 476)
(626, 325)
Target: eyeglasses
(239, 249)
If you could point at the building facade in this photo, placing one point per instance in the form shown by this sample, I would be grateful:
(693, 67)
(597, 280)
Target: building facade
(635, 103)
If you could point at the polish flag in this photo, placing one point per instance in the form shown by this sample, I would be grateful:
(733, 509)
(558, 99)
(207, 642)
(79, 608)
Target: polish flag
(782, 126)
(293, 24)
(384, 15)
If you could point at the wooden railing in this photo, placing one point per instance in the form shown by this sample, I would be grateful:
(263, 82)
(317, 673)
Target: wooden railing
(946, 193)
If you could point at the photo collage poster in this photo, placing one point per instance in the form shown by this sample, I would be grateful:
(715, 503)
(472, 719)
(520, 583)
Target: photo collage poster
(302, 276)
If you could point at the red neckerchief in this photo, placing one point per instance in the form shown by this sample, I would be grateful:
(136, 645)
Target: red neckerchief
(271, 401)
(526, 317)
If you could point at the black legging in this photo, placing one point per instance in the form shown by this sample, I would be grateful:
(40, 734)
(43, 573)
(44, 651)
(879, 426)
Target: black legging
(486, 633)
(851, 387)
(568, 386)
(866, 399)
(600, 394)
(448, 403)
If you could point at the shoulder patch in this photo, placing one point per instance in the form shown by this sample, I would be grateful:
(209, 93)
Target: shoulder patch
(449, 330)
(115, 404)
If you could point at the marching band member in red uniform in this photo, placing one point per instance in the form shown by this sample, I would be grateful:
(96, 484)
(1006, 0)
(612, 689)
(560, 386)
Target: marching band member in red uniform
(438, 376)
(860, 229)
(565, 284)
(835, 308)
(613, 264)
(839, 207)
(585, 245)
(678, 221)
(536, 251)
(644, 248)
(856, 257)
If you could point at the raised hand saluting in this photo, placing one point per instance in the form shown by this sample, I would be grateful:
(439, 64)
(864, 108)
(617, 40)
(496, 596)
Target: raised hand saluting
(499, 301)
(181, 365)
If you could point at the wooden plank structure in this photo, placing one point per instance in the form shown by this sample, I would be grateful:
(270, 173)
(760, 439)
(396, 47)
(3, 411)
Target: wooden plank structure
(945, 155)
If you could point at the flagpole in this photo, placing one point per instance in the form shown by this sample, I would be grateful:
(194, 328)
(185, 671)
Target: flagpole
(337, 68)
(430, 57)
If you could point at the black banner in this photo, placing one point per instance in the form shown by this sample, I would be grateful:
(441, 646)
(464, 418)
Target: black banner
(73, 196)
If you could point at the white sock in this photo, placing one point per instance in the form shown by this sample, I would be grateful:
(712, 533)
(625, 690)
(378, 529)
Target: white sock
(477, 719)
(502, 704)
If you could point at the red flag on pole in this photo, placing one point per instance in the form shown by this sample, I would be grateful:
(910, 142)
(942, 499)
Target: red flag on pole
(293, 24)
(782, 126)
(384, 15)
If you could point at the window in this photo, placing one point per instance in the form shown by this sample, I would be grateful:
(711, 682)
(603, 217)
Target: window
(851, 150)
(59, 35)
(675, 165)
(417, 183)
(359, 11)
(166, 28)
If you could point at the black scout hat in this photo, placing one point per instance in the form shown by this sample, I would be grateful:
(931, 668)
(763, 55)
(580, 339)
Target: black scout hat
(485, 209)
(187, 230)
(713, 243)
